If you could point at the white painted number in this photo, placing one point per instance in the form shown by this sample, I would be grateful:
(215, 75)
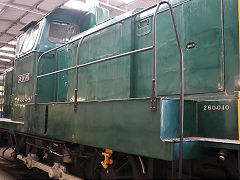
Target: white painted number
(216, 108)
(23, 78)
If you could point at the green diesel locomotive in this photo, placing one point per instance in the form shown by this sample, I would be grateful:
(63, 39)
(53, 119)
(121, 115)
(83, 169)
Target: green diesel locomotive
(153, 93)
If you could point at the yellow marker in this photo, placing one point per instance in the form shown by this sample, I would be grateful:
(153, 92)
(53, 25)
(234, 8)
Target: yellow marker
(107, 161)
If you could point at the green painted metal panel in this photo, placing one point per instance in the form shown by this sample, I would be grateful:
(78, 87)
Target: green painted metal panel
(170, 114)
(122, 125)
(12, 127)
(191, 150)
(231, 46)
(88, 22)
(197, 23)
(7, 106)
(35, 120)
(218, 119)
(7, 111)
(107, 80)
(101, 14)
(23, 91)
(110, 124)
(96, 15)
(209, 119)
(62, 83)
(203, 26)
(47, 85)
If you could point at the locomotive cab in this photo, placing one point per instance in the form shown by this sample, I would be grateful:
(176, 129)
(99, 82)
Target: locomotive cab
(57, 28)
(38, 37)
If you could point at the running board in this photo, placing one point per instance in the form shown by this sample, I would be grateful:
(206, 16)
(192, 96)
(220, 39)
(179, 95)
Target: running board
(58, 171)
(203, 139)
(7, 120)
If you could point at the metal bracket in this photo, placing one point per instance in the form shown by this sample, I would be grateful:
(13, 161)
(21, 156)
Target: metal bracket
(75, 100)
(153, 97)
(35, 103)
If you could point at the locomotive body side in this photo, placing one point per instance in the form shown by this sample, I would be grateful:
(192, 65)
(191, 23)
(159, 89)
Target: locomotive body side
(112, 110)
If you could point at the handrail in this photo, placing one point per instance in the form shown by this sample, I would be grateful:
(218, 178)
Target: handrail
(97, 61)
(153, 93)
(153, 97)
(76, 80)
(53, 49)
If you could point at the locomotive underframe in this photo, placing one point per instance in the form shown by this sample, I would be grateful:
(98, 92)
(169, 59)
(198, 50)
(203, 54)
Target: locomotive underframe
(123, 139)
(85, 161)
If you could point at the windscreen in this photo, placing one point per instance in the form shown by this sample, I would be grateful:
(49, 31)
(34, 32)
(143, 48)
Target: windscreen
(60, 32)
(27, 40)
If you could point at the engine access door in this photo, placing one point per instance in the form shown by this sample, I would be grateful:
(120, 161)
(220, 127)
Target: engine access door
(200, 27)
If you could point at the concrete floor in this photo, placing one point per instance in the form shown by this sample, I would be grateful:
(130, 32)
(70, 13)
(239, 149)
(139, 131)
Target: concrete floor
(11, 169)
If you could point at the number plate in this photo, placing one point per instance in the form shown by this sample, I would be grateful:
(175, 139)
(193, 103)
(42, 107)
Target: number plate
(23, 78)
(216, 107)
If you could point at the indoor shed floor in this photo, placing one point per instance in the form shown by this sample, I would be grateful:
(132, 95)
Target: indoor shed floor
(11, 169)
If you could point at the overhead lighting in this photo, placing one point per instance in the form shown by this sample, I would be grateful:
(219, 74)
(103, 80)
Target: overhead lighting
(126, 1)
(7, 54)
(5, 60)
(91, 3)
(75, 4)
(80, 5)
(7, 49)
(13, 42)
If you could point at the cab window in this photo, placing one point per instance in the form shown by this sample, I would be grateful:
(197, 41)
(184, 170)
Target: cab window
(60, 32)
(19, 44)
(27, 40)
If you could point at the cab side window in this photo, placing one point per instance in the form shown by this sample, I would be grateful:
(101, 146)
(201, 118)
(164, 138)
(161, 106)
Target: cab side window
(60, 32)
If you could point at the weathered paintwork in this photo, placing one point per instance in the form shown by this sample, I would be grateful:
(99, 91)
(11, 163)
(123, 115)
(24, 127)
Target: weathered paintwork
(108, 80)
(20, 94)
(169, 126)
(7, 110)
(219, 123)
(196, 23)
(201, 76)
(112, 109)
(208, 119)
(123, 125)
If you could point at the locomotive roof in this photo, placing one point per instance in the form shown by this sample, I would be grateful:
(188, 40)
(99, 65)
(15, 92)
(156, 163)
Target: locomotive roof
(59, 14)
(27, 26)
